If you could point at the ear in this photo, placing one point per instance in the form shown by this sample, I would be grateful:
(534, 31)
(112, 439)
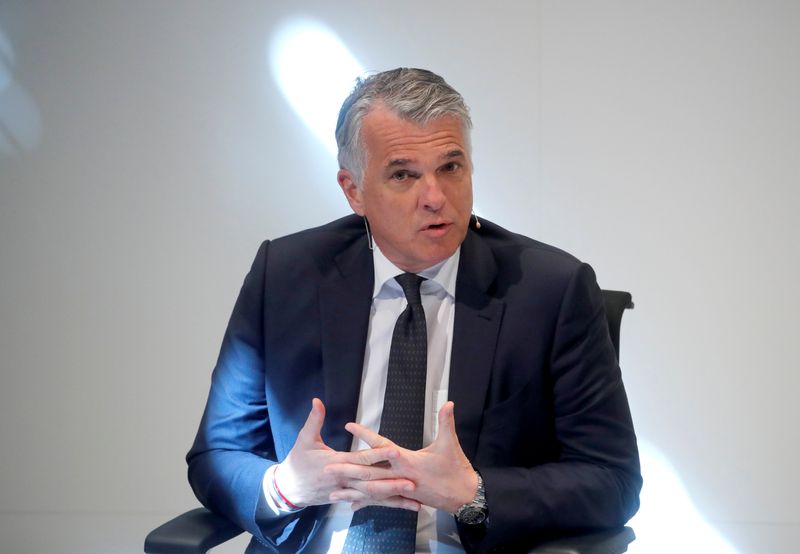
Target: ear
(351, 191)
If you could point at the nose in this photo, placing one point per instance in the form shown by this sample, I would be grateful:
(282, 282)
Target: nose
(432, 197)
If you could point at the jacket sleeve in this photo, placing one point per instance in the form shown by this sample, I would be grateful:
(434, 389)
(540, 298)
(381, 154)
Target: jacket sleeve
(234, 445)
(593, 479)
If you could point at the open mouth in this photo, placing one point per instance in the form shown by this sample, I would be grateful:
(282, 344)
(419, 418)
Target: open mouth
(436, 229)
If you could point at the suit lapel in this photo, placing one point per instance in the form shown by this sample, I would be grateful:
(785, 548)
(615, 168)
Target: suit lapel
(475, 330)
(345, 302)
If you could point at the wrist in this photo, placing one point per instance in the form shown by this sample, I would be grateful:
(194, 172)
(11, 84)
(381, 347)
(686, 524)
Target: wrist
(278, 494)
(469, 492)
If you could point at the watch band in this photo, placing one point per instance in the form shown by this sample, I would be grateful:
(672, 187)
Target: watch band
(474, 513)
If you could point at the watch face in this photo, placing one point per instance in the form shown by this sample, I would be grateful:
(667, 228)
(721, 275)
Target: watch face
(472, 515)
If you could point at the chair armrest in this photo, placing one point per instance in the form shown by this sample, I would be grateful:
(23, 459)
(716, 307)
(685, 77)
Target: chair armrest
(193, 532)
(614, 541)
(198, 530)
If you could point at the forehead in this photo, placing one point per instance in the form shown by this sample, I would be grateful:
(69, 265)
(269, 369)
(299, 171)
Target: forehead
(387, 135)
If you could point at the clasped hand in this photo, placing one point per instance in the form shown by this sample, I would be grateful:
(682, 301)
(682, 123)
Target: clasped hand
(384, 474)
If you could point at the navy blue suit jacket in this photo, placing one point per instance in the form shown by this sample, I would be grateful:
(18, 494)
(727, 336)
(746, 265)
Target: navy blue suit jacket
(540, 406)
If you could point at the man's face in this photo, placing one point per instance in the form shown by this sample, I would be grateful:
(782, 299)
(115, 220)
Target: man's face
(417, 189)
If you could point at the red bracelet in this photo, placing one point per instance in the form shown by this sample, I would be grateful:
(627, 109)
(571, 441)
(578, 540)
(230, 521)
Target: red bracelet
(285, 500)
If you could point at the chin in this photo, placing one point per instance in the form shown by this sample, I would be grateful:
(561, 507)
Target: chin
(441, 255)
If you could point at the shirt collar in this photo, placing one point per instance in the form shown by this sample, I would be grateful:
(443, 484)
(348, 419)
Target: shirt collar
(442, 274)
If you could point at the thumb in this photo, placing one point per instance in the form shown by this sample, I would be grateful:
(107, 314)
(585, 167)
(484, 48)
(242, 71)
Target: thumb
(447, 423)
(313, 426)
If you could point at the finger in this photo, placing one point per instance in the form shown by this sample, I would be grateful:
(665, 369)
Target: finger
(313, 426)
(371, 456)
(447, 422)
(391, 502)
(373, 491)
(373, 439)
(346, 472)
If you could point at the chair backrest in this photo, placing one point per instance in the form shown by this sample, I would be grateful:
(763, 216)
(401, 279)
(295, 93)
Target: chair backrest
(616, 302)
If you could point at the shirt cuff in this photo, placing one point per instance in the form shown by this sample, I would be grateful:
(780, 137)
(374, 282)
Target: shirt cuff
(276, 502)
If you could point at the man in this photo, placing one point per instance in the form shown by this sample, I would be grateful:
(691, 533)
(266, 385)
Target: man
(516, 426)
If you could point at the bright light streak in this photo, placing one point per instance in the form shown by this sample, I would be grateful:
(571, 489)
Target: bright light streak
(668, 521)
(20, 120)
(6, 62)
(315, 72)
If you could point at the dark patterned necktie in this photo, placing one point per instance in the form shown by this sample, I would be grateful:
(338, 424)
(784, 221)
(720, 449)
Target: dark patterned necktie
(377, 529)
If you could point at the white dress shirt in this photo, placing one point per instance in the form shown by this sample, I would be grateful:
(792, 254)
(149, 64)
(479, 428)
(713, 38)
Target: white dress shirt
(436, 531)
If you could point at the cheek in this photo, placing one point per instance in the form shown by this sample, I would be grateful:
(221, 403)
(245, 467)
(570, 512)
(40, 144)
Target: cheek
(461, 194)
(398, 211)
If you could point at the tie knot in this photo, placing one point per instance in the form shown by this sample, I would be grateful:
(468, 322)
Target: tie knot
(410, 283)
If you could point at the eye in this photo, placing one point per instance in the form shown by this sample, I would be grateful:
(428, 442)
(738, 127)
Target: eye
(451, 167)
(401, 175)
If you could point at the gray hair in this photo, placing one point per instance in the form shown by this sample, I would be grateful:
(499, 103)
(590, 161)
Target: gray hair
(418, 95)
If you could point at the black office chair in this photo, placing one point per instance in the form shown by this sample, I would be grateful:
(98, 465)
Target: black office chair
(198, 530)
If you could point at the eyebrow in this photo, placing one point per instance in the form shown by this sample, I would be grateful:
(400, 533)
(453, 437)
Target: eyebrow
(453, 154)
(398, 161)
(457, 153)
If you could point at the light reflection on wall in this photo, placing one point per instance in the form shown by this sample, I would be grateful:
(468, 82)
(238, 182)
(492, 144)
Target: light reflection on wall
(668, 521)
(20, 122)
(315, 73)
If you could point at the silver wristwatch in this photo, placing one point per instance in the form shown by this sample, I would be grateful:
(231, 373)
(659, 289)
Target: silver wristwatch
(474, 513)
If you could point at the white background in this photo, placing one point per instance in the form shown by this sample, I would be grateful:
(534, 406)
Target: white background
(145, 152)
